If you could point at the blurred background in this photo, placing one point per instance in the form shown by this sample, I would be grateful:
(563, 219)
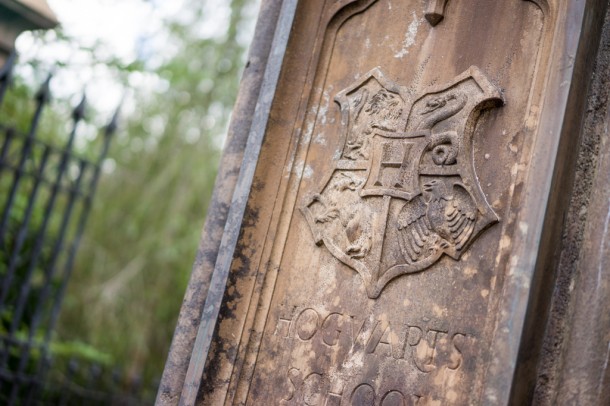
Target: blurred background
(87, 317)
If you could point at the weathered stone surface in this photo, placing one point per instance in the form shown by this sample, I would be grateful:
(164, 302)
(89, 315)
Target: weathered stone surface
(396, 304)
(177, 363)
(574, 362)
(388, 236)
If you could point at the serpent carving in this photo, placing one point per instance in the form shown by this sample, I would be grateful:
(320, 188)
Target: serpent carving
(437, 111)
(444, 146)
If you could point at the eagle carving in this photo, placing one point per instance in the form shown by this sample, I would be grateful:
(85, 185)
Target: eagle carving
(438, 219)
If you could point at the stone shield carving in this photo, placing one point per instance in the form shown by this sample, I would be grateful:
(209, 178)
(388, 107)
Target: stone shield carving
(404, 191)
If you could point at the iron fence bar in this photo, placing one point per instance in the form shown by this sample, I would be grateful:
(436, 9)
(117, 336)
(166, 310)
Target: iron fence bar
(23, 228)
(84, 214)
(68, 200)
(39, 242)
(24, 290)
(40, 383)
(46, 290)
(65, 393)
(115, 397)
(94, 374)
(37, 252)
(6, 145)
(42, 98)
(108, 133)
(54, 148)
(51, 269)
(44, 181)
(6, 75)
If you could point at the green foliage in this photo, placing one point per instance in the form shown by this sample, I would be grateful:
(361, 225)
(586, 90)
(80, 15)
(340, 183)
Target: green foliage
(136, 255)
(67, 350)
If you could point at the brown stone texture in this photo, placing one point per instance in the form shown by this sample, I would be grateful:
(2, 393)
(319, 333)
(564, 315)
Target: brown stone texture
(404, 212)
(426, 337)
(190, 314)
(574, 365)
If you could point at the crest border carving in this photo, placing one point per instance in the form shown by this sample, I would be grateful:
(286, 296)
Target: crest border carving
(489, 97)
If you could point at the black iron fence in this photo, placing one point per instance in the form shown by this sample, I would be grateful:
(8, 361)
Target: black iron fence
(83, 383)
(46, 192)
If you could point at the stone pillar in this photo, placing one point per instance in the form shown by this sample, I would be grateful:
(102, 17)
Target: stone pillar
(420, 216)
(17, 16)
(573, 369)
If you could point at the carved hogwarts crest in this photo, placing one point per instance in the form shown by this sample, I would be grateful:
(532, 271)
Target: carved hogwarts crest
(404, 191)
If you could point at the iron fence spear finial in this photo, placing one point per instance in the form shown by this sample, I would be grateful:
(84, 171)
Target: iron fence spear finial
(80, 110)
(43, 96)
(6, 74)
(114, 121)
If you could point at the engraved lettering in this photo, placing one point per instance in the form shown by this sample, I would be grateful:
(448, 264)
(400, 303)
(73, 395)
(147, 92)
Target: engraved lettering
(284, 322)
(363, 395)
(331, 329)
(355, 335)
(334, 398)
(457, 355)
(419, 350)
(316, 389)
(436, 336)
(294, 378)
(422, 347)
(313, 389)
(402, 180)
(393, 398)
(409, 340)
(383, 336)
(306, 324)
(389, 160)
(372, 335)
